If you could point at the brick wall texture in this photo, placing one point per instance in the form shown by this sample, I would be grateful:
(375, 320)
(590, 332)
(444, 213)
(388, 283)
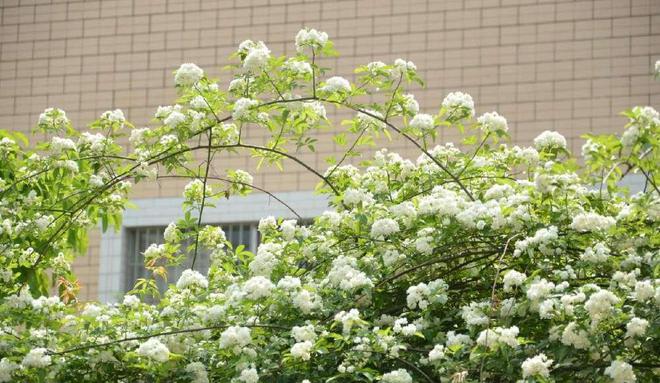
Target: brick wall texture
(563, 65)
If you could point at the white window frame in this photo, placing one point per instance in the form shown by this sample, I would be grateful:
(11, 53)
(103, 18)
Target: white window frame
(162, 211)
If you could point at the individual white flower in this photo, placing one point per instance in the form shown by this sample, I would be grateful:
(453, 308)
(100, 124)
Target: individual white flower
(657, 68)
(242, 108)
(423, 122)
(310, 38)
(36, 358)
(191, 278)
(336, 84)
(235, 336)
(492, 123)
(384, 227)
(155, 350)
(302, 350)
(549, 140)
(188, 74)
(513, 278)
(591, 221)
(620, 372)
(303, 333)
(169, 140)
(258, 287)
(459, 105)
(397, 376)
(538, 365)
(636, 327)
(249, 375)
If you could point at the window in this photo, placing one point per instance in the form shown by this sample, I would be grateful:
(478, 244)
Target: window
(138, 240)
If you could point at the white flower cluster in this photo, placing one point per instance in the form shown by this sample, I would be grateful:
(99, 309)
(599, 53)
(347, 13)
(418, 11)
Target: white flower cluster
(384, 227)
(598, 253)
(154, 350)
(194, 191)
(423, 294)
(538, 365)
(404, 67)
(397, 376)
(591, 221)
(188, 75)
(298, 67)
(258, 287)
(115, 116)
(423, 122)
(512, 279)
(459, 105)
(53, 119)
(600, 304)
(302, 350)
(336, 84)
(541, 240)
(256, 54)
(249, 375)
(437, 353)
(36, 358)
(266, 259)
(235, 336)
(59, 144)
(345, 275)
(7, 367)
(191, 278)
(548, 140)
(310, 38)
(348, 319)
(242, 108)
(620, 372)
(197, 370)
(500, 335)
(493, 123)
(636, 327)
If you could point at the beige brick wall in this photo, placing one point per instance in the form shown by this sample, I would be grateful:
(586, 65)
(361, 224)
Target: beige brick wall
(565, 65)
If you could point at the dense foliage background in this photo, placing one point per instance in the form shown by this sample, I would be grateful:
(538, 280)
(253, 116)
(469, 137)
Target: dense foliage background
(488, 262)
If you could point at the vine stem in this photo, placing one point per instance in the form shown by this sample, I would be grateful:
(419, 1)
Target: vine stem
(173, 332)
(201, 208)
(492, 296)
(270, 194)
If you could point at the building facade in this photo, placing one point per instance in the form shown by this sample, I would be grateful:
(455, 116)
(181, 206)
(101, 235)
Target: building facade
(562, 65)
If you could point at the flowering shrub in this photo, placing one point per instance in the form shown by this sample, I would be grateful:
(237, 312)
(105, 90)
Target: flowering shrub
(487, 263)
